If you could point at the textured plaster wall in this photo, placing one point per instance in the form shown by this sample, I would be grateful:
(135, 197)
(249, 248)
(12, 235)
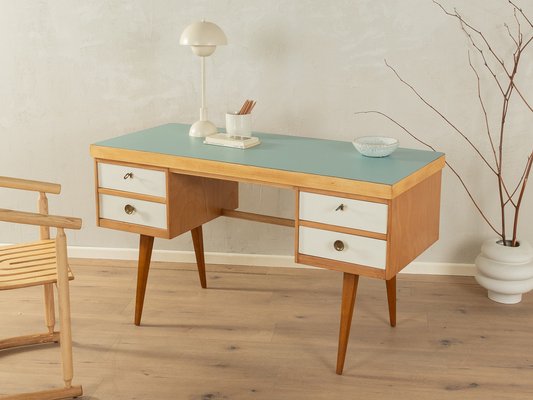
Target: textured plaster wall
(75, 72)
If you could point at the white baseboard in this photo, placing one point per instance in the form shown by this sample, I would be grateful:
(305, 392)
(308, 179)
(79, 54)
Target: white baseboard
(263, 260)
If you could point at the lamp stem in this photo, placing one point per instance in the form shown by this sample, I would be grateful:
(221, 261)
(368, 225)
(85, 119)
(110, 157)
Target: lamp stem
(203, 109)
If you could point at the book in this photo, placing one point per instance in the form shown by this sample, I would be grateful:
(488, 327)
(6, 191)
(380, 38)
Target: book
(238, 142)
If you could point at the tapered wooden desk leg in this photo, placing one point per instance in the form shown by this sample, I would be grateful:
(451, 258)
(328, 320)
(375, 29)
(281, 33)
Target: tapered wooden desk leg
(391, 297)
(198, 241)
(349, 290)
(145, 254)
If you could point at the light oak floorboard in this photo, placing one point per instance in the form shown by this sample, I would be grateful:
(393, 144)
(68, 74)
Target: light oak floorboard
(271, 333)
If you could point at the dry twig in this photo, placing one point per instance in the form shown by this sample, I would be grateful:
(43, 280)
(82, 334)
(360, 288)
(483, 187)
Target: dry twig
(479, 41)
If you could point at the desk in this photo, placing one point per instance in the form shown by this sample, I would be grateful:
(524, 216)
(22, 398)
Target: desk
(357, 215)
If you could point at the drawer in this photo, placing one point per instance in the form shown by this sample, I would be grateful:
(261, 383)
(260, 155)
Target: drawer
(146, 212)
(144, 181)
(340, 211)
(357, 249)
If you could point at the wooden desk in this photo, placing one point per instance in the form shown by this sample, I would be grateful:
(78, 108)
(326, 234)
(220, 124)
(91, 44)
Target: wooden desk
(358, 215)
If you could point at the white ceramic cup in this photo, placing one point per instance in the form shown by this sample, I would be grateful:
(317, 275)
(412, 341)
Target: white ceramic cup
(239, 125)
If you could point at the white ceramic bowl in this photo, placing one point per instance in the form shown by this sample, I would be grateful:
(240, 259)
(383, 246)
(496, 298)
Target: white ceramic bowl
(375, 146)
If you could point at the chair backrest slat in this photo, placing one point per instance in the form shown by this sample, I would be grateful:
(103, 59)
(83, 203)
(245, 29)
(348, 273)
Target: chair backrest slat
(25, 184)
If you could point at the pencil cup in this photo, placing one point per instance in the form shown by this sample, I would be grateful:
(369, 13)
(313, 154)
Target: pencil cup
(239, 124)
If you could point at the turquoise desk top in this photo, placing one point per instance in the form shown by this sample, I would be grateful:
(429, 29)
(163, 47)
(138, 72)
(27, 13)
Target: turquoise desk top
(281, 152)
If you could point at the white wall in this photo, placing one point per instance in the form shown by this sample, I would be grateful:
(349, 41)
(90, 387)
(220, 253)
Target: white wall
(75, 72)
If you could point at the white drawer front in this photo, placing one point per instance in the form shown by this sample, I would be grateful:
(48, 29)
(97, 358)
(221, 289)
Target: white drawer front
(356, 214)
(144, 181)
(146, 212)
(357, 249)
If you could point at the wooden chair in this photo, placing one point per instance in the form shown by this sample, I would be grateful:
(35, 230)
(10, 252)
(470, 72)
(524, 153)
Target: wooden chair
(43, 262)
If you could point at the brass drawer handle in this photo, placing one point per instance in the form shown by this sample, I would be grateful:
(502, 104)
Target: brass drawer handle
(129, 209)
(129, 175)
(340, 207)
(338, 245)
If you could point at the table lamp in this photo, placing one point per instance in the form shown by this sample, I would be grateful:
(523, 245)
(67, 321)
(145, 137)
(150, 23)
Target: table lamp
(203, 37)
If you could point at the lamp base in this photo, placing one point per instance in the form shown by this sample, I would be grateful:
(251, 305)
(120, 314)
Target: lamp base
(202, 129)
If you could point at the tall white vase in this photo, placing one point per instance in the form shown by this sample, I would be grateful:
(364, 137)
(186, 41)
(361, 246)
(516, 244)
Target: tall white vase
(506, 272)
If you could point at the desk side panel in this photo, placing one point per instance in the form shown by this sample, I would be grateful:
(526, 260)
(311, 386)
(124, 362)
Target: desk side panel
(195, 200)
(414, 223)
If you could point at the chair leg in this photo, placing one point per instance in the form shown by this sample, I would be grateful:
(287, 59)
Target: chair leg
(50, 394)
(28, 340)
(49, 307)
(65, 335)
(64, 307)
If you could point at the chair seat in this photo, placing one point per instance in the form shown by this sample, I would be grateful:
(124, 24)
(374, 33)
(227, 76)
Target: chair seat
(29, 264)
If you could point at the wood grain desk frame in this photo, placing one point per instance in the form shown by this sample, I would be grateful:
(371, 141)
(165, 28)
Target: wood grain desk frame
(198, 190)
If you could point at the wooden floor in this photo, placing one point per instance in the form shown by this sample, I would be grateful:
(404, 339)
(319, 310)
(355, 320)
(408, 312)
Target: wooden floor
(271, 333)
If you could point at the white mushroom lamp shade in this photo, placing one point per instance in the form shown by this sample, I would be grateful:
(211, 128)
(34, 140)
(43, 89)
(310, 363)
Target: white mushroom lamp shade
(203, 37)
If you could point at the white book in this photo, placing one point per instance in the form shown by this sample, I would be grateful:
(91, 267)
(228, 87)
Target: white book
(238, 142)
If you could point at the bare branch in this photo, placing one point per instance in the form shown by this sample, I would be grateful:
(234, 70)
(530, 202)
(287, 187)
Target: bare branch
(526, 44)
(501, 183)
(488, 130)
(519, 182)
(447, 163)
(479, 42)
(398, 124)
(522, 97)
(516, 62)
(500, 61)
(510, 34)
(442, 116)
(482, 54)
(478, 32)
(516, 54)
(487, 125)
(519, 49)
(519, 203)
(521, 12)
(518, 26)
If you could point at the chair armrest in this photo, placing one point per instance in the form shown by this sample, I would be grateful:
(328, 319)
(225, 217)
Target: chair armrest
(24, 184)
(22, 217)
